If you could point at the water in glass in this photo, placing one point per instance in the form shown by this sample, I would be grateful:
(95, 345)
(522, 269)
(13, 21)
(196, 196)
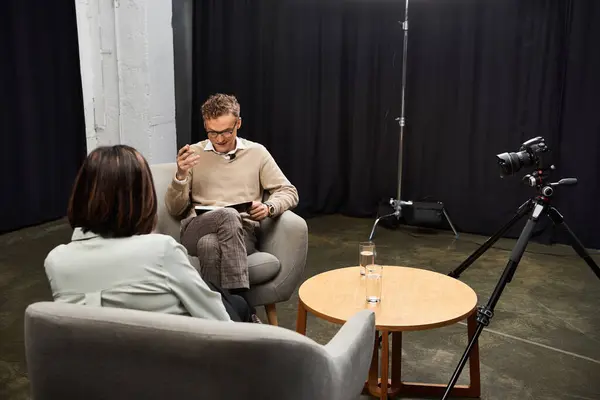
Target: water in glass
(366, 255)
(374, 277)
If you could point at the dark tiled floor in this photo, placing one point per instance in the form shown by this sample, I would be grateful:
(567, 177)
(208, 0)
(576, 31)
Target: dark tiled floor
(543, 343)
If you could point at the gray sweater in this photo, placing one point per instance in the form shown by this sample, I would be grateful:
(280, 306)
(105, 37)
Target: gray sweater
(146, 272)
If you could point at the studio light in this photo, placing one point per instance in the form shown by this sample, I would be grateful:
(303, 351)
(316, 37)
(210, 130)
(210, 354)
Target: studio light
(419, 211)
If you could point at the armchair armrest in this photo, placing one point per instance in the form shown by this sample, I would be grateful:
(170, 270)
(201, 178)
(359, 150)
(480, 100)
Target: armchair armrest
(286, 237)
(352, 350)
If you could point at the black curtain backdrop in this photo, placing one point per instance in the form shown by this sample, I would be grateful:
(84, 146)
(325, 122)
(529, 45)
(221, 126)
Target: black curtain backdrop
(483, 78)
(319, 85)
(42, 133)
(579, 138)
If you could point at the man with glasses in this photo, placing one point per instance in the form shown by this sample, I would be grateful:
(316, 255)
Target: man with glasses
(220, 171)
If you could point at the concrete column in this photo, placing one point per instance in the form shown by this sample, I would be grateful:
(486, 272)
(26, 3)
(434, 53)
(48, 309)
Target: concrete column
(126, 58)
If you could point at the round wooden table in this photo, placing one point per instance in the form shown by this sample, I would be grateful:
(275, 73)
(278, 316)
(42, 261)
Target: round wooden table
(412, 299)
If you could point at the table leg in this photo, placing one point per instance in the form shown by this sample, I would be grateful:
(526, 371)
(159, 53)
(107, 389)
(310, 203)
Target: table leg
(473, 390)
(396, 382)
(301, 319)
(384, 365)
(372, 384)
(474, 372)
(384, 387)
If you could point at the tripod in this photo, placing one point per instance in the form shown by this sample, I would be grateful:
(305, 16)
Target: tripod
(537, 206)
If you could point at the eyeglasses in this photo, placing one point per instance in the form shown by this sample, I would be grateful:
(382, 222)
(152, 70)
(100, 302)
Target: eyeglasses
(226, 133)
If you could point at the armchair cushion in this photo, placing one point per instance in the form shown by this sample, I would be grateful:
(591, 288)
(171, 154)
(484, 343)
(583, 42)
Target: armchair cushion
(262, 267)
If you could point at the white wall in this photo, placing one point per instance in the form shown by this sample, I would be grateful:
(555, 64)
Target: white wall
(126, 58)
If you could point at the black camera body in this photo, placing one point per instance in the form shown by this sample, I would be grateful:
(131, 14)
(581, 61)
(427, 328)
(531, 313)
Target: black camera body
(533, 153)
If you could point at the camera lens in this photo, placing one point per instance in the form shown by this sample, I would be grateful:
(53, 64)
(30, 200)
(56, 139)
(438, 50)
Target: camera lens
(511, 163)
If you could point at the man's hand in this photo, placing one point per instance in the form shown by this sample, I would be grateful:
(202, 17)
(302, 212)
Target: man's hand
(186, 159)
(258, 211)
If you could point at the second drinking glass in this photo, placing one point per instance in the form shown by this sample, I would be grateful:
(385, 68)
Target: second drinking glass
(374, 283)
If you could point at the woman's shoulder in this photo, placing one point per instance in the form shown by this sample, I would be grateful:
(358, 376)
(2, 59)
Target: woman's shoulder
(161, 243)
(155, 242)
(152, 243)
(56, 253)
(160, 238)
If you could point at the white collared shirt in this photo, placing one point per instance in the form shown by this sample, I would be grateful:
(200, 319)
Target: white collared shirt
(239, 145)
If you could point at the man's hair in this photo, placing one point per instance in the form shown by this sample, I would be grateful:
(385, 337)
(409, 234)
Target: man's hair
(114, 194)
(220, 104)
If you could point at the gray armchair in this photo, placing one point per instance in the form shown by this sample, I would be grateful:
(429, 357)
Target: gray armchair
(85, 352)
(275, 270)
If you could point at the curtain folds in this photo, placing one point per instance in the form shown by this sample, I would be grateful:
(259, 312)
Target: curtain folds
(319, 85)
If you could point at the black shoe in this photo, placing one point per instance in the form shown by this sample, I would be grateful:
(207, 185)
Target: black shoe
(255, 319)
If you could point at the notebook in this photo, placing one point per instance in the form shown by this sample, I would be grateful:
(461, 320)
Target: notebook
(240, 207)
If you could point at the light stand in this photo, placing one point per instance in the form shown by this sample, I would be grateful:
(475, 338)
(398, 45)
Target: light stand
(536, 207)
(397, 204)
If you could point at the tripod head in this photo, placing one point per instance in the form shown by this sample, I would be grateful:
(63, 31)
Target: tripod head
(539, 180)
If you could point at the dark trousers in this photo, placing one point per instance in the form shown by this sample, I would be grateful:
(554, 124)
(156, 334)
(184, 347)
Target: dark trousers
(235, 305)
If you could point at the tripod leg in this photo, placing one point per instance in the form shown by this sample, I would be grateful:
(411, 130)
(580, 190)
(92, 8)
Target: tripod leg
(450, 222)
(521, 212)
(486, 313)
(558, 219)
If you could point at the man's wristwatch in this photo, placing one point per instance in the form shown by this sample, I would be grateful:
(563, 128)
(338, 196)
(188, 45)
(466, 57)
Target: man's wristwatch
(271, 208)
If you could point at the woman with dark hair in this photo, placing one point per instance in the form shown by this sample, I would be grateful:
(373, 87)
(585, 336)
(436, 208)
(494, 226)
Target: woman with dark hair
(114, 259)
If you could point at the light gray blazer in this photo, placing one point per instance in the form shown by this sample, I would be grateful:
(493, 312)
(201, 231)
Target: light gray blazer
(146, 272)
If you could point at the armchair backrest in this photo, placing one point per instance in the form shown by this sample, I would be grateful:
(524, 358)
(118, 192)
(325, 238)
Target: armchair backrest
(163, 175)
(87, 352)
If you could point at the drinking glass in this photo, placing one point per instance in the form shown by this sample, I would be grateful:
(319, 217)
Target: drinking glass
(374, 275)
(366, 255)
